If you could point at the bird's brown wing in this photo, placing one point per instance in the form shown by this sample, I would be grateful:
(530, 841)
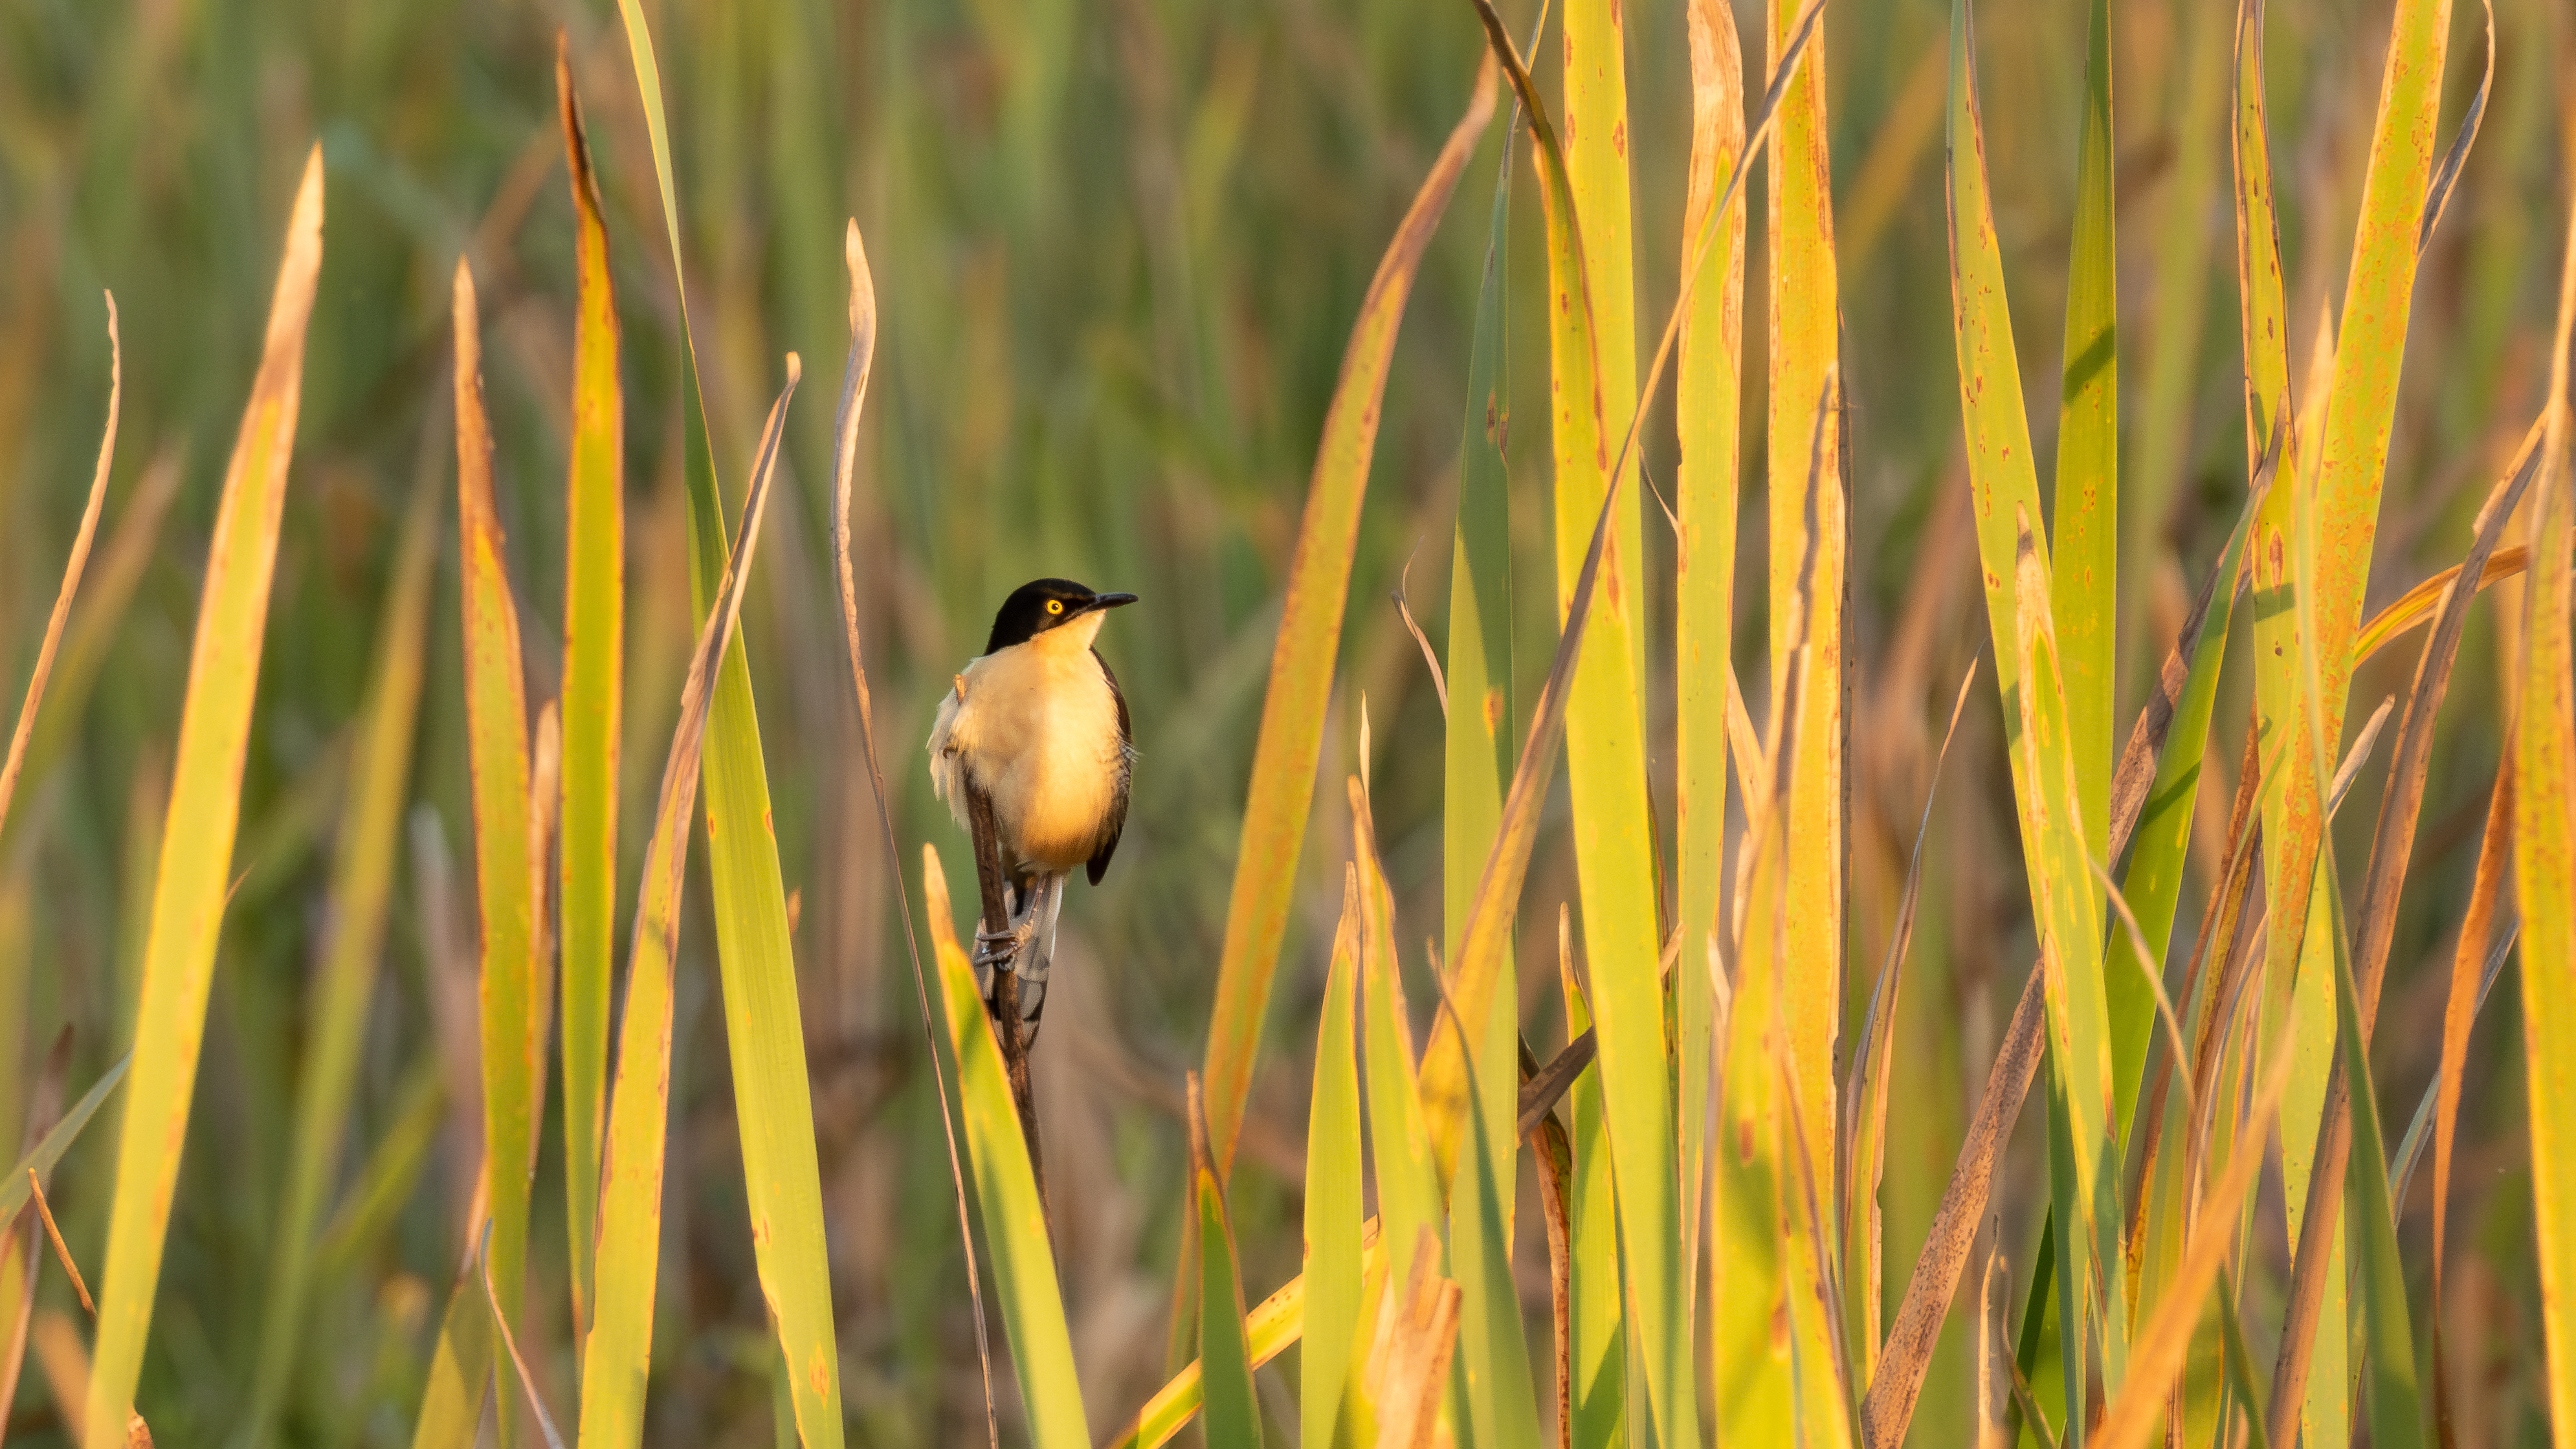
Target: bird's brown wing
(1117, 822)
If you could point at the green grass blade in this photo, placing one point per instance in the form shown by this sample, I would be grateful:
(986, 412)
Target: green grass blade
(1599, 1391)
(1491, 1367)
(361, 885)
(2396, 1408)
(1015, 1226)
(1477, 758)
(1408, 1189)
(2063, 895)
(2544, 853)
(1707, 407)
(507, 875)
(1301, 664)
(2084, 522)
(58, 1139)
(764, 1034)
(617, 1352)
(205, 810)
(2349, 463)
(593, 690)
(1267, 1331)
(1332, 1276)
(460, 1368)
(1592, 352)
(1225, 1363)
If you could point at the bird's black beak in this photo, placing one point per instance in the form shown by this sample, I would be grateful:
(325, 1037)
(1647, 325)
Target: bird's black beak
(1098, 602)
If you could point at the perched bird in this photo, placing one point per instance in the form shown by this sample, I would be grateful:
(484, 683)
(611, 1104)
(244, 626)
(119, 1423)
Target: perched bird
(1037, 727)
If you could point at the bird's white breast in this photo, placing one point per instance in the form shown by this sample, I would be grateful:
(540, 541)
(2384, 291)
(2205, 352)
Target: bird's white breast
(1036, 726)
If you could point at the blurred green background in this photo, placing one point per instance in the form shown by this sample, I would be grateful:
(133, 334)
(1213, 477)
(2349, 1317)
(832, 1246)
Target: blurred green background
(1118, 248)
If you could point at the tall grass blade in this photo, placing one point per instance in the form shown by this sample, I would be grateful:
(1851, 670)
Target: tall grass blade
(1225, 1368)
(1332, 1275)
(362, 872)
(593, 691)
(764, 1034)
(2544, 856)
(506, 874)
(1593, 1360)
(2390, 850)
(1810, 530)
(1024, 1277)
(2084, 1128)
(1707, 409)
(2396, 1407)
(1492, 1357)
(2348, 465)
(1301, 664)
(2084, 520)
(205, 806)
(617, 1351)
(79, 560)
(1408, 1188)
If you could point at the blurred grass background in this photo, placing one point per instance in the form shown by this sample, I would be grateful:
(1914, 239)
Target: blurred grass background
(1118, 250)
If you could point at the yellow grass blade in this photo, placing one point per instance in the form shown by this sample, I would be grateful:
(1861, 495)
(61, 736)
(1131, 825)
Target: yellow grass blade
(1333, 1179)
(1707, 404)
(55, 621)
(764, 1034)
(205, 809)
(496, 709)
(593, 690)
(617, 1353)
(1015, 1225)
(1301, 664)
(2544, 852)
(362, 870)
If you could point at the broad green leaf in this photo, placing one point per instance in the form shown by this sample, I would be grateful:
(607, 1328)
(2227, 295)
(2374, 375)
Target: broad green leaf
(1015, 1226)
(205, 810)
(593, 690)
(1301, 664)
(764, 1032)
(362, 871)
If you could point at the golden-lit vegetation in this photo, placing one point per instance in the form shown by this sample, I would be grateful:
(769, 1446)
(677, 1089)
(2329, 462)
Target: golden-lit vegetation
(407, 1059)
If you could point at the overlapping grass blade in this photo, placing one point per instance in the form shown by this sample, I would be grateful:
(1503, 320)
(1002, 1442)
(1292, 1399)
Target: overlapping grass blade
(1408, 1188)
(2544, 854)
(205, 806)
(2349, 465)
(1592, 1365)
(1267, 1331)
(362, 872)
(2084, 1133)
(1492, 1356)
(1707, 406)
(1225, 1367)
(593, 692)
(1810, 531)
(72, 568)
(506, 874)
(2391, 849)
(1024, 1278)
(764, 1034)
(617, 1352)
(1332, 1274)
(58, 1139)
(1301, 664)
(2084, 529)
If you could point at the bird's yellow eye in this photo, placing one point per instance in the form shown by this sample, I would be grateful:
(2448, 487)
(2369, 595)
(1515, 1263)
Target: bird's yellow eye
(1055, 606)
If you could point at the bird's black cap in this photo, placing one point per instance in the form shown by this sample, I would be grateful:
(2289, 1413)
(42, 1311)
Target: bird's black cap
(1043, 604)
